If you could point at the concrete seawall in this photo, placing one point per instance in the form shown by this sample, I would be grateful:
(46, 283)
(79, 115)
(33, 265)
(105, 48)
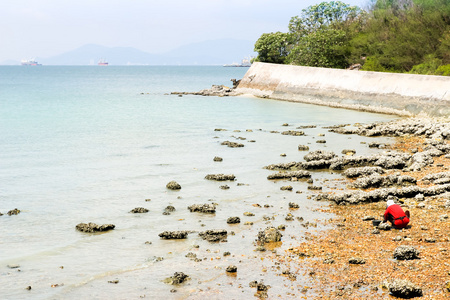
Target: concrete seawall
(402, 94)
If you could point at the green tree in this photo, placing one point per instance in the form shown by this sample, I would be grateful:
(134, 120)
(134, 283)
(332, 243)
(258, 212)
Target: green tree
(401, 34)
(334, 14)
(321, 34)
(321, 48)
(273, 47)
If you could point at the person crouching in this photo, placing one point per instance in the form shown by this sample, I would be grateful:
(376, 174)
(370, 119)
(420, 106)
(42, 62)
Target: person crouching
(395, 214)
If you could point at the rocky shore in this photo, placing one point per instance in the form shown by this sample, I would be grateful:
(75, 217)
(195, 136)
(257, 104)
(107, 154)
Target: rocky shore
(355, 259)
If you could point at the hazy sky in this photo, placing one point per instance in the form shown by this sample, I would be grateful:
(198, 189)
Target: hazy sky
(43, 28)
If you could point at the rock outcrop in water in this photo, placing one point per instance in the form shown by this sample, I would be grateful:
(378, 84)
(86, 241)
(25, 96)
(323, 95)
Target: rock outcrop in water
(173, 185)
(177, 278)
(269, 235)
(13, 212)
(290, 175)
(139, 210)
(319, 155)
(220, 177)
(232, 144)
(203, 208)
(217, 235)
(215, 90)
(169, 235)
(92, 227)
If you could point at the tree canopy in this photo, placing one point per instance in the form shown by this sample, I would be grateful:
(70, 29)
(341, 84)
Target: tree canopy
(391, 36)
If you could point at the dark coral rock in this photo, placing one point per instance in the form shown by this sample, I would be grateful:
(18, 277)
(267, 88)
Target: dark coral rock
(218, 235)
(233, 220)
(203, 208)
(92, 227)
(404, 289)
(220, 177)
(173, 185)
(176, 235)
(139, 210)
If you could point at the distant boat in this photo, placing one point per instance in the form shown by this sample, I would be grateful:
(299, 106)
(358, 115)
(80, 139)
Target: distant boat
(102, 62)
(30, 62)
(244, 63)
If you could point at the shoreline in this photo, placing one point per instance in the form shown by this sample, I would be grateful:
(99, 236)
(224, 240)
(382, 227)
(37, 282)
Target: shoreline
(325, 257)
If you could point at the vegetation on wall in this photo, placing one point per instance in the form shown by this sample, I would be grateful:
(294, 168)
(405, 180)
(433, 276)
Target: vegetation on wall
(391, 36)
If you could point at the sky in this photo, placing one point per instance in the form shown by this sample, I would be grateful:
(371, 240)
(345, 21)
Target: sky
(44, 28)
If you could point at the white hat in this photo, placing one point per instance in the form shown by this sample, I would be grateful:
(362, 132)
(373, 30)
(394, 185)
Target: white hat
(390, 202)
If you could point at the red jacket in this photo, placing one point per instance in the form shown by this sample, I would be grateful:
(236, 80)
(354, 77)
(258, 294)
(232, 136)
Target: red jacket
(396, 215)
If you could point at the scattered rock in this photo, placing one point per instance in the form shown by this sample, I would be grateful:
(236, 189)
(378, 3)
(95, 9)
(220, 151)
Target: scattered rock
(218, 235)
(406, 253)
(13, 266)
(15, 211)
(321, 141)
(349, 152)
(303, 148)
(232, 144)
(177, 278)
(220, 177)
(92, 227)
(319, 155)
(384, 226)
(224, 187)
(139, 210)
(233, 220)
(293, 205)
(231, 269)
(290, 175)
(293, 132)
(314, 187)
(173, 185)
(328, 261)
(356, 261)
(168, 235)
(270, 234)
(203, 208)
(286, 188)
(217, 158)
(169, 209)
(404, 289)
(260, 248)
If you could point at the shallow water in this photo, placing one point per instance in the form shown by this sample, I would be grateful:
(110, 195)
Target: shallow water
(88, 144)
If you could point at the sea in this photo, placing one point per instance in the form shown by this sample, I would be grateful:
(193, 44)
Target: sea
(82, 144)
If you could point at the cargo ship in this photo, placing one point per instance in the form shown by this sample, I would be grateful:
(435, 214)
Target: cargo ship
(30, 62)
(102, 62)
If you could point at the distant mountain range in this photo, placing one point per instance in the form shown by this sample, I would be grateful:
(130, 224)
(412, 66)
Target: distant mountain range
(217, 52)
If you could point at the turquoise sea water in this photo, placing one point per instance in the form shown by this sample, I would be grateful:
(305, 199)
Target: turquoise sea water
(88, 144)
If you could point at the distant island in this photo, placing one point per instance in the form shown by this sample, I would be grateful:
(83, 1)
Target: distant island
(214, 52)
